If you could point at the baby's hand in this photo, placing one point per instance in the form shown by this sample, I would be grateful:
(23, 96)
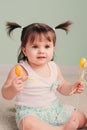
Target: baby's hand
(17, 84)
(79, 87)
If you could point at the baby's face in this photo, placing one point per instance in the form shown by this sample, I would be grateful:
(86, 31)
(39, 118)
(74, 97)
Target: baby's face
(39, 52)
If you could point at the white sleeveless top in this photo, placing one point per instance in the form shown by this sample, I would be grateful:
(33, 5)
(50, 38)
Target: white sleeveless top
(37, 90)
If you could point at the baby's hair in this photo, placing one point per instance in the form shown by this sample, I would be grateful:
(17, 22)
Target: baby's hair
(65, 26)
(33, 30)
(11, 26)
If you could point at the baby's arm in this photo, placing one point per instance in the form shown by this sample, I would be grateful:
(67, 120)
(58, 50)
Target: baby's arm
(67, 88)
(12, 86)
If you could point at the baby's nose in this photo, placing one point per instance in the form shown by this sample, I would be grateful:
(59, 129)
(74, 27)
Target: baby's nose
(41, 50)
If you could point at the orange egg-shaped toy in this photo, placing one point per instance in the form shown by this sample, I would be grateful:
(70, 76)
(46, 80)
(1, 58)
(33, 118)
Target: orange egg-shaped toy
(18, 70)
(82, 62)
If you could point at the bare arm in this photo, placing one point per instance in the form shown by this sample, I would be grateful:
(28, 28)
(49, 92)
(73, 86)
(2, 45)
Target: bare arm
(12, 86)
(66, 88)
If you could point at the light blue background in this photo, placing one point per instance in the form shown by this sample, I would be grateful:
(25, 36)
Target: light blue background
(69, 48)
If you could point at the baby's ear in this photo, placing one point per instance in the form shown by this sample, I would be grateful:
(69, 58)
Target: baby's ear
(23, 50)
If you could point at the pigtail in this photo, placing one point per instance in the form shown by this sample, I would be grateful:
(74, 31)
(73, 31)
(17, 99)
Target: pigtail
(11, 26)
(65, 26)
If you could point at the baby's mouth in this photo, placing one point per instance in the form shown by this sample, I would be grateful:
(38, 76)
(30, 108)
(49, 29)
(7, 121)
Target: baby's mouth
(41, 57)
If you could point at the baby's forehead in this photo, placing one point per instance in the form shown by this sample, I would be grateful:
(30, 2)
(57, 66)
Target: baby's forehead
(40, 37)
(40, 41)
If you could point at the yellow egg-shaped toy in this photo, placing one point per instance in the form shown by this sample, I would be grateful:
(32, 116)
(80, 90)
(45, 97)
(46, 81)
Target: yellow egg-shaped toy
(18, 70)
(82, 62)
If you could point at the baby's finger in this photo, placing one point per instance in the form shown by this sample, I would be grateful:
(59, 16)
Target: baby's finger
(80, 90)
(19, 82)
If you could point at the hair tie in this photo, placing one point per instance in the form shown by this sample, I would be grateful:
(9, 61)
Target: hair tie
(22, 27)
(54, 29)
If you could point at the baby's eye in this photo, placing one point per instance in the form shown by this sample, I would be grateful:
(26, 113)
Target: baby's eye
(35, 46)
(47, 46)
